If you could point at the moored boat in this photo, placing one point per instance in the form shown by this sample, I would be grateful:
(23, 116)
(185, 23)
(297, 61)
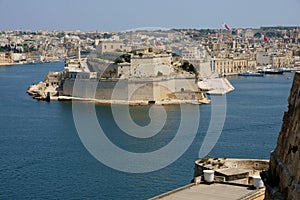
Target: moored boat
(251, 74)
(271, 71)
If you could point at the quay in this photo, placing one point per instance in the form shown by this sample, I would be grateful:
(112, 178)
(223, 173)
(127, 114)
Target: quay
(291, 69)
(9, 64)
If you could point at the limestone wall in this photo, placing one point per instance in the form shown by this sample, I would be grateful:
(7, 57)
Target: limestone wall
(109, 46)
(150, 70)
(164, 59)
(283, 180)
(133, 90)
(250, 165)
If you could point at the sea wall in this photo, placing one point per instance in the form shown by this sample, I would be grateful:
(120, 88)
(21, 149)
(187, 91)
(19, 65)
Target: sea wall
(132, 90)
(283, 177)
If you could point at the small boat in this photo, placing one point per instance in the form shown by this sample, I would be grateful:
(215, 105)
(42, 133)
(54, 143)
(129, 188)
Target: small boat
(250, 74)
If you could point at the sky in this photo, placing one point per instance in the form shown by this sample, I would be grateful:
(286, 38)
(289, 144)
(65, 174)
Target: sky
(122, 15)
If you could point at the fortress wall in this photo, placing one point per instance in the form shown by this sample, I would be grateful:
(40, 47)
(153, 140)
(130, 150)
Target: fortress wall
(185, 85)
(284, 173)
(142, 91)
(148, 70)
(136, 90)
(166, 60)
(67, 87)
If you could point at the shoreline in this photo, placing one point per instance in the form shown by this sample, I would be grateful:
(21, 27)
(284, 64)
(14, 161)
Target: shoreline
(124, 102)
(11, 64)
(291, 69)
(136, 102)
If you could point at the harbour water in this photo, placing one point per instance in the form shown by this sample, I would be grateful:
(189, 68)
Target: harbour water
(42, 157)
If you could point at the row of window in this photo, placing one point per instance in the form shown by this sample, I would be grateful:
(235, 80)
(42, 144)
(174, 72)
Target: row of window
(235, 64)
(112, 46)
(230, 70)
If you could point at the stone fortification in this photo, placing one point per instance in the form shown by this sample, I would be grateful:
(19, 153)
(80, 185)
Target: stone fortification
(283, 177)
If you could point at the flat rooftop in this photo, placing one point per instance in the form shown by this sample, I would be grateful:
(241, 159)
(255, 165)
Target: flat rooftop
(233, 171)
(215, 191)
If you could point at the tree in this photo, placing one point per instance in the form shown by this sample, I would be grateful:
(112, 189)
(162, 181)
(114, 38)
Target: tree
(270, 34)
(257, 35)
(60, 34)
(188, 67)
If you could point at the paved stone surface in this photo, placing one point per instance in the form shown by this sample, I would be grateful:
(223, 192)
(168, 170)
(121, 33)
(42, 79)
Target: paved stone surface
(210, 192)
(233, 171)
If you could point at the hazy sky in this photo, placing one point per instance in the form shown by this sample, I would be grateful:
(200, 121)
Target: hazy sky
(119, 15)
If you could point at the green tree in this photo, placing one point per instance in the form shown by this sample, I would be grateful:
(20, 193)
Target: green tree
(257, 35)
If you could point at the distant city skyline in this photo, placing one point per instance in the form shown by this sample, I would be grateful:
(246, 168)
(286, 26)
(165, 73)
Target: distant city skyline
(117, 15)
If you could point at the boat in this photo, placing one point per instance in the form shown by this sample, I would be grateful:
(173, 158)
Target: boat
(286, 70)
(271, 71)
(251, 74)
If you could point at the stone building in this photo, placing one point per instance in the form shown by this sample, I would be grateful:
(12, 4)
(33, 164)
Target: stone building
(53, 78)
(262, 59)
(105, 46)
(150, 63)
(5, 57)
(191, 54)
(123, 70)
(279, 61)
(283, 178)
(232, 65)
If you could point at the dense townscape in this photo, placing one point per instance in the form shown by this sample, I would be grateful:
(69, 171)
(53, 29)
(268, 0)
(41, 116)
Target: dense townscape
(158, 100)
(224, 51)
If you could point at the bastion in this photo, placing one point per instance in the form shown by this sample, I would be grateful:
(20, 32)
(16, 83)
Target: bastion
(282, 180)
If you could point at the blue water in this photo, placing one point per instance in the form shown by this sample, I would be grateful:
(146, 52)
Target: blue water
(42, 157)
